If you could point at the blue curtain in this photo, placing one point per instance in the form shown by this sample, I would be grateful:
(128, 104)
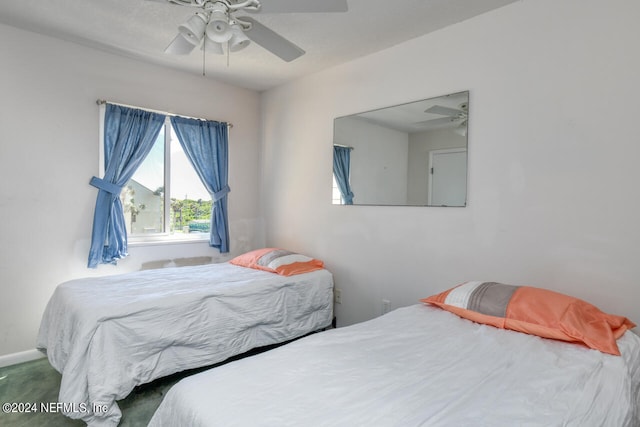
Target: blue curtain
(129, 135)
(341, 168)
(206, 145)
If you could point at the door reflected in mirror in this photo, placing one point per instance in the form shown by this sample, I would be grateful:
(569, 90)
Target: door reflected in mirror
(413, 154)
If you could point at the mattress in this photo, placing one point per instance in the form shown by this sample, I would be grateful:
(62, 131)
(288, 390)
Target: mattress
(106, 335)
(415, 366)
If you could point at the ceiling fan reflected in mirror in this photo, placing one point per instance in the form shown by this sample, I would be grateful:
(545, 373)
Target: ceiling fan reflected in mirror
(459, 117)
(216, 26)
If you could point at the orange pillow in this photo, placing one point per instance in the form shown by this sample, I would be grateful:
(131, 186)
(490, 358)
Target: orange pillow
(278, 261)
(534, 311)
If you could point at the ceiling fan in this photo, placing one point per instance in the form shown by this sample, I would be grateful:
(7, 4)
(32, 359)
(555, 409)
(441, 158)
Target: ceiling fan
(458, 116)
(216, 26)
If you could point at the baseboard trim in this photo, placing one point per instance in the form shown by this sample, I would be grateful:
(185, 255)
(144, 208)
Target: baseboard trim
(20, 357)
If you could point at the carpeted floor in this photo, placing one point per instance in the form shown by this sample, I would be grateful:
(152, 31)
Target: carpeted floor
(37, 382)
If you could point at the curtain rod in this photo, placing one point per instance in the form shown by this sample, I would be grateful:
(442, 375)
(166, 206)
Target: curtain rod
(344, 146)
(102, 101)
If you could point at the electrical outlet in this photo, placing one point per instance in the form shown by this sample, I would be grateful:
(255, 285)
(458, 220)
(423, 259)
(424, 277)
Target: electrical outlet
(337, 296)
(386, 306)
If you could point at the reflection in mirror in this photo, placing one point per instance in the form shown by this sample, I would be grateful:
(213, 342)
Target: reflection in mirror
(412, 154)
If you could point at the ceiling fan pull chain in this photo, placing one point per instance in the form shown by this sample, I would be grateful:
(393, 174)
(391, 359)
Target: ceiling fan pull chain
(204, 57)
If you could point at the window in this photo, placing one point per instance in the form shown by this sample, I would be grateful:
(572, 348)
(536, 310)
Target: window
(165, 199)
(336, 196)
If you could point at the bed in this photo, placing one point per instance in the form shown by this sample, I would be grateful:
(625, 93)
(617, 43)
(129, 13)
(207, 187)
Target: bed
(416, 366)
(107, 335)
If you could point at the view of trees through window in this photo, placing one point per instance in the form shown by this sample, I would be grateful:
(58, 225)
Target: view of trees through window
(166, 172)
(191, 215)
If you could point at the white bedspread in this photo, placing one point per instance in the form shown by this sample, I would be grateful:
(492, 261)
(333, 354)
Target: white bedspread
(416, 366)
(106, 335)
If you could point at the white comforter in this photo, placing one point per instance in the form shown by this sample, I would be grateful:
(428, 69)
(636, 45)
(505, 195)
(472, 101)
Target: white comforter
(416, 366)
(106, 335)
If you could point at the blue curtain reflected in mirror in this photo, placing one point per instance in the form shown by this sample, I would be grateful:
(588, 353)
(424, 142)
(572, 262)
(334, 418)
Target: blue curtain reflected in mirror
(341, 168)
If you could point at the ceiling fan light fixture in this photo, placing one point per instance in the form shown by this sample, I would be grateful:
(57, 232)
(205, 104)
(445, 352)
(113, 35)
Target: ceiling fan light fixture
(193, 30)
(238, 40)
(219, 28)
(212, 46)
(180, 46)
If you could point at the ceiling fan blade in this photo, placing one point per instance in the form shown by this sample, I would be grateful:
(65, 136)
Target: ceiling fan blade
(303, 6)
(444, 111)
(272, 41)
(435, 122)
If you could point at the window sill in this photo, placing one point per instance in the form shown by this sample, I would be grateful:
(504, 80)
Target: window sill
(168, 239)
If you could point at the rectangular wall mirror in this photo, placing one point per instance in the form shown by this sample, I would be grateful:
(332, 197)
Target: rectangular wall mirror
(413, 154)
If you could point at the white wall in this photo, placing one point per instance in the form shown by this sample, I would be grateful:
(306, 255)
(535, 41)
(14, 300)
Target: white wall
(553, 154)
(49, 151)
(378, 172)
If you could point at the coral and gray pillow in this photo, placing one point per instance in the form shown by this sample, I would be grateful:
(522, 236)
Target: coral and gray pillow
(535, 311)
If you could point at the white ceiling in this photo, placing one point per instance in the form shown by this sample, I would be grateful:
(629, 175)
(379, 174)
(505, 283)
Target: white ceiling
(142, 29)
